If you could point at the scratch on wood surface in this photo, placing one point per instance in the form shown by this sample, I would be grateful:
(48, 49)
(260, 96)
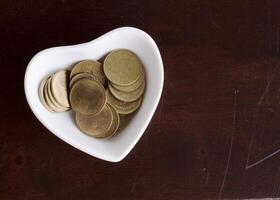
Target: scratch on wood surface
(256, 129)
(209, 167)
(207, 177)
(133, 185)
(273, 71)
(245, 117)
(266, 90)
(17, 180)
(261, 160)
(231, 142)
(208, 171)
(250, 146)
(215, 24)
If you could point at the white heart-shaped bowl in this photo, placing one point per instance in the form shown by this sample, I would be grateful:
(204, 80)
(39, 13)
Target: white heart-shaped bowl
(62, 125)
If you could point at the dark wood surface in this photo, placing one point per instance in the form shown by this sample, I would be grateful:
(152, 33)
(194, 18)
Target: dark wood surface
(216, 131)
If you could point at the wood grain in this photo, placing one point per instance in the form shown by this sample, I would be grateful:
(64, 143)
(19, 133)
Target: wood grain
(215, 133)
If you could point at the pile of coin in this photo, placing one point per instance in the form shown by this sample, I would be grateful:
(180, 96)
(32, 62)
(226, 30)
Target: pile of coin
(126, 76)
(103, 97)
(53, 92)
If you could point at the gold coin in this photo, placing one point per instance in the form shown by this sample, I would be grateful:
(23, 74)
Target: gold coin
(87, 97)
(90, 67)
(49, 102)
(122, 67)
(121, 106)
(127, 96)
(47, 99)
(124, 121)
(42, 95)
(95, 125)
(52, 99)
(131, 87)
(79, 76)
(59, 87)
(115, 124)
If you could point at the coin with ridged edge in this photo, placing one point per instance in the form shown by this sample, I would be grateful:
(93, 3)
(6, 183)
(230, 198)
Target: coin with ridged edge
(122, 67)
(42, 95)
(87, 97)
(121, 106)
(52, 99)
(95, 125)
(49, 102)
(59, 87)
(115, 124)
(131, 87)
(90, 67)
(79, 76)
(127, 96)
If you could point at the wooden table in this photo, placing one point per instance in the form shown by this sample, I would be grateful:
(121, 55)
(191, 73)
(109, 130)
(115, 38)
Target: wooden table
(215, 133)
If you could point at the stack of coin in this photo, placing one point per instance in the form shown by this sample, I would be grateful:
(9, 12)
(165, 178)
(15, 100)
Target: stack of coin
(126, 76)
(88, 99)
(88, 68)
(101, 107)
(53, 92)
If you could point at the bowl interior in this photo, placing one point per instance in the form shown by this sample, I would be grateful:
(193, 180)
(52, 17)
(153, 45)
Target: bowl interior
(62, 125)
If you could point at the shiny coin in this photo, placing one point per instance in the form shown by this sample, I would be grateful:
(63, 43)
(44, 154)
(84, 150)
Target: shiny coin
(52, 99)
(131, 87)
(95, 125)
(122, 67)
(42, 95)
(90, 67)
(115, 124)
(49, 102)
(127, 96)
(121, 106)
(87, 97)
(59, 87)
(47, 99)
(79, 76)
